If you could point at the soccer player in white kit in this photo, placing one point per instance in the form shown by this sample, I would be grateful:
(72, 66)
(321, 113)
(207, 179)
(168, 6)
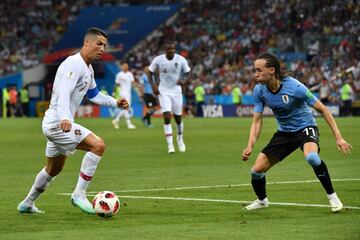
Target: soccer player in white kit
(171, 68)
(74, 79)
(124, 80)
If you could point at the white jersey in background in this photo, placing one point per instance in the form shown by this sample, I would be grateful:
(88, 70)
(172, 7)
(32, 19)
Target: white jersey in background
(124, 80)
(170, 71)
(73, 77)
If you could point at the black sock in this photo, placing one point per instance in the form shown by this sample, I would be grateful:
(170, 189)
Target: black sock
(147, 117)
(259, 186)
(322, 174)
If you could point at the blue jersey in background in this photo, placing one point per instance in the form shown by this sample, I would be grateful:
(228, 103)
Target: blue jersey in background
(145, 82)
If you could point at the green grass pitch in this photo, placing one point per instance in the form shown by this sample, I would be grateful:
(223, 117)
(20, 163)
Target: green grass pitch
(194, 195)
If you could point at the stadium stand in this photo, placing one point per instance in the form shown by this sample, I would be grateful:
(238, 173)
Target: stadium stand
(316, 39)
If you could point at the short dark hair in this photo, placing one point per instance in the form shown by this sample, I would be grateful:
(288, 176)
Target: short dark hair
(170, 42)
(273, 61)
(96, 31)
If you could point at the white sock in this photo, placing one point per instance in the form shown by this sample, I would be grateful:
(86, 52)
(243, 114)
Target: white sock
(42, 180)
(128, 122)
(119, 114)
(87, 170)
(331, 195)
(180, 129)
(126, 114)
(168, 133)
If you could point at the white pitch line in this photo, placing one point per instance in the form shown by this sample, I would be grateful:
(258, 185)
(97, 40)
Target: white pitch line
(233, 201)
(222, 186)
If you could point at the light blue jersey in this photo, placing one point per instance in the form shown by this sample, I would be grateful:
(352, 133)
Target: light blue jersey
(145, 82)
(290, 104)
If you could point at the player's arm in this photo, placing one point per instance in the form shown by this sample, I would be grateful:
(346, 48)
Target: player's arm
(311, 100)
(187, 73)
(255, 131)
(256, 124)
(151, 78)
(66, 86)
(186, 80)
(342, 145)
(99, 98)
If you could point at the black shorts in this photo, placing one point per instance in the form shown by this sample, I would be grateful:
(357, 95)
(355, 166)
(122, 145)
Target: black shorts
(150, 100)
(284, 143)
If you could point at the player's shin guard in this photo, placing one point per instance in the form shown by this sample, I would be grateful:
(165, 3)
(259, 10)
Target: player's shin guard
(42, 180)
(87, 171)
(258, 181)
(322, 174)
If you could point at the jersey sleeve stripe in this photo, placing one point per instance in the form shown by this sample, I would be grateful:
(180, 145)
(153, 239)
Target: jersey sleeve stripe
(92, 92)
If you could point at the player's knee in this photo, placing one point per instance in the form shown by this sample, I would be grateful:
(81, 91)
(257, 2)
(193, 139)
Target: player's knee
(313, 159)
(256, 175)
(99, 147)
(167, 117)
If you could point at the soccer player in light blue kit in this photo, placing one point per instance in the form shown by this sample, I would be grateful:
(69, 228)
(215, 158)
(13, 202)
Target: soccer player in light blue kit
(149, 99)
(289, 100)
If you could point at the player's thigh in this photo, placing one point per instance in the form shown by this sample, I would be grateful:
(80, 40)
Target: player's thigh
(61, 143)
(150, 100)
(177, 104)
(165, 103)
(92, 143)
(281, 145)
(263, 163)
(310, 147)
(310, 140)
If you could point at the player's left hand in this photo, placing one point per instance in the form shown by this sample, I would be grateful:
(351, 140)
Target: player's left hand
(343, 146)
(123, 103)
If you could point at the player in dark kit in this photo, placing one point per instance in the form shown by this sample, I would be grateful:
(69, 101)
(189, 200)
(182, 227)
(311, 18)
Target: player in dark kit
(289, 100)
(149, 100)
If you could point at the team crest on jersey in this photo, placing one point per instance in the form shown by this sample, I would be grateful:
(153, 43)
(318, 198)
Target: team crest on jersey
(285, 99)
(164, 70)
(176, 65)
(70, 75)
(77, 132)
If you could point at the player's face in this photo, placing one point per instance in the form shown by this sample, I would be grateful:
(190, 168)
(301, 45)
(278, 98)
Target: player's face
(263, 74)
(125, 67)
(170, 51)
(97, 46)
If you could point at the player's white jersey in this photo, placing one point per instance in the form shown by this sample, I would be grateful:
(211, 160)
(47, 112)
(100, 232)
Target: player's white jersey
(73, 78)
(170, 71)
(124, 79)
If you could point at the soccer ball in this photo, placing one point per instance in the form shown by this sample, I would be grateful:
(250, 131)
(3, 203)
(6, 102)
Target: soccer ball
(106, 204)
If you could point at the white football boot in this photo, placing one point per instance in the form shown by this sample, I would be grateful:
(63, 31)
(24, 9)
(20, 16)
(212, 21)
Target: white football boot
(82, 203)
(335, 203)
(171, 148)
(115, 124)
(23, 208)
(257, 204)
(181, 144)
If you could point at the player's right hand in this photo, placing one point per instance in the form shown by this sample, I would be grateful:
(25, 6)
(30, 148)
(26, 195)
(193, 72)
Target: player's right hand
(123, 103)
(246, 153)
(65, 125)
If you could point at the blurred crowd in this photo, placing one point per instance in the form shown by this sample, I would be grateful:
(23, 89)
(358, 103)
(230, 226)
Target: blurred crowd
(220, 39)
